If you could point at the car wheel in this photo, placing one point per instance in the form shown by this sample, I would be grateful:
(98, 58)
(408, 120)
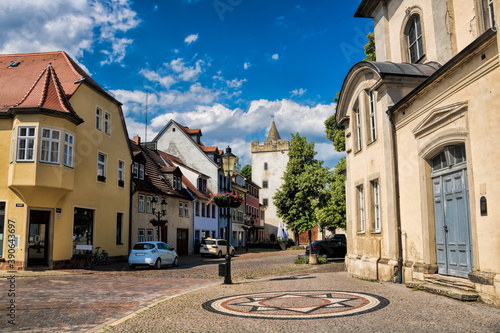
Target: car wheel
(158, 263)
(232, 253)
(176, 262)
(219, 254)
(131, 266)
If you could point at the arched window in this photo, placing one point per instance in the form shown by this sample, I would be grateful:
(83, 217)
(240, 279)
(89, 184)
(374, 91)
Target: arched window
(415, 40)
(265, 166)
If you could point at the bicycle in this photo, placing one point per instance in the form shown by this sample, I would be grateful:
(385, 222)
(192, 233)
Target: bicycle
(96, 258)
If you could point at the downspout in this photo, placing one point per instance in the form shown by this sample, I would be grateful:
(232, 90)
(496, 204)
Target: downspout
(396, 190)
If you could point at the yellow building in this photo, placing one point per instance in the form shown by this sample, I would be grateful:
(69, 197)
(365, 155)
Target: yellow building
(65, 164)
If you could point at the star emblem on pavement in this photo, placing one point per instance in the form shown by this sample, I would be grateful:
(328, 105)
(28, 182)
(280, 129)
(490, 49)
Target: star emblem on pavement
(286, 305)
(271, 303)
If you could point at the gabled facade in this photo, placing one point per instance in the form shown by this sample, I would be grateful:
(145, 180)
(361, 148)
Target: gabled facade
(421, 164)
(155, 179)
(65, 161)
(185, 143)
(205, 213)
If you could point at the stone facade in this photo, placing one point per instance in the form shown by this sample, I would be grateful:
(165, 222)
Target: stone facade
(421, 164)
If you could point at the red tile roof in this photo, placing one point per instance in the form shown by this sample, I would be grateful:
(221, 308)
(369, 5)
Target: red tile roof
(17, 81)
(47, 93)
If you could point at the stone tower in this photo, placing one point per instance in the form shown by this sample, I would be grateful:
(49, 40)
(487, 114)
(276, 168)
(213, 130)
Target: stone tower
(269, 160)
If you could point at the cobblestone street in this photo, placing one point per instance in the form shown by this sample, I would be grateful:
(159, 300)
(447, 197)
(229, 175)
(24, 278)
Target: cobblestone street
(269, 294)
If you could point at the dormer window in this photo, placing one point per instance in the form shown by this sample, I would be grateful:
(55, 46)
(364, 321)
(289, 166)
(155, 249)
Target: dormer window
(141, 171)
(177, 183)
(135, 170)
(415, 40)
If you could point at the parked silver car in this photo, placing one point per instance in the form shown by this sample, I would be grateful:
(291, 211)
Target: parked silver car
(152, 254)
(215, 247)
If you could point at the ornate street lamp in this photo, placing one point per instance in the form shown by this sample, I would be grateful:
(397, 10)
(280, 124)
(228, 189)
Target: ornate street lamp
(228, 156)
(158, 223)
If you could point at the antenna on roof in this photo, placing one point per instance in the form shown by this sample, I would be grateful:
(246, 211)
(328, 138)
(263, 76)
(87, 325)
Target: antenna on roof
(146, 131)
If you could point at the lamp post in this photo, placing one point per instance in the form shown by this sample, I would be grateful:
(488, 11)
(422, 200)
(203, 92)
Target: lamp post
(159, 214)
(228, 155)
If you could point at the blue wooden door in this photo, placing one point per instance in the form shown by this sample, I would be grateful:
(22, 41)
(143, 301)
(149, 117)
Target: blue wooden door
(453, 245)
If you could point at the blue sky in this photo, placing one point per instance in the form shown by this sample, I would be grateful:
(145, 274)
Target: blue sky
(225, 66)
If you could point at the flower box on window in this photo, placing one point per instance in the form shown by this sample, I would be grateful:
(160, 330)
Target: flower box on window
(227, 199)
(121, 183)
(101, 178)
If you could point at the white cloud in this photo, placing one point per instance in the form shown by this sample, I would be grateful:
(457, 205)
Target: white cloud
(247, 65)
(186, 73)
(298, 92)
(275, 56)
(165, 81)
(191, 39)
(197, 108)
(235, 83)
(75, 26)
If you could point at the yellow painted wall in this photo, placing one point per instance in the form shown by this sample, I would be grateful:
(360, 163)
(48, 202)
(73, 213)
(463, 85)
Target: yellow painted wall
(43, 186)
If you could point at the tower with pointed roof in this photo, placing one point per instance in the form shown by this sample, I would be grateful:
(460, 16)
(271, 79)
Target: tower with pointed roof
(269, 160)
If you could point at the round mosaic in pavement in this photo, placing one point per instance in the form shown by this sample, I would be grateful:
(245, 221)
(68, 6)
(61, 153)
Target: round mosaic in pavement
(297, 304)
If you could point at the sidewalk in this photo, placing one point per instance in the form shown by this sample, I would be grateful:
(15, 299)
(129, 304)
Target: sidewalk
(318, 302)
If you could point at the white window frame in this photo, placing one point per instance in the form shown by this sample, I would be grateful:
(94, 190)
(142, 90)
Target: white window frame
(491, 13)
(50, 145)
(361, 209)
(141, 171)
(107, 123)
(186, 209)
(358, 129)
(135, 170)
(26, 144)
(141, 237)
(149, 235)
(121, 169)
(373, 121)
(376, 205)
(149, 205)
(414, 25)
(181, 209)
(141, 203)
(69, 147)
(98, 115)
(101, 164)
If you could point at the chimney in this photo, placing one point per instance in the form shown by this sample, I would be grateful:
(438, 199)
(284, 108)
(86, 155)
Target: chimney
(137, 139)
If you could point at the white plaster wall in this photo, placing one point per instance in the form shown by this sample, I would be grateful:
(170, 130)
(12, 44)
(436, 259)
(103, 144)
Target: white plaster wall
(277, 161)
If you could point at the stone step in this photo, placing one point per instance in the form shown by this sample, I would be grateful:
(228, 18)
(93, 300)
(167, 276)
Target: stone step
(456, 293)
(450, 281)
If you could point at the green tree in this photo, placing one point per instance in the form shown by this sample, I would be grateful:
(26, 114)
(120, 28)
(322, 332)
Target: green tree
(334, 131)
(302, 191)
(332, 214)
(370, 48)
(247, 172)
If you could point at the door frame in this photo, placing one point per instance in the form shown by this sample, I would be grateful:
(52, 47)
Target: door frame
(466, 228)
(48, 222)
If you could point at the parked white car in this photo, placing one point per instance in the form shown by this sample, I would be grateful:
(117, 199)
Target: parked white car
(215, 247)
(152, 254)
